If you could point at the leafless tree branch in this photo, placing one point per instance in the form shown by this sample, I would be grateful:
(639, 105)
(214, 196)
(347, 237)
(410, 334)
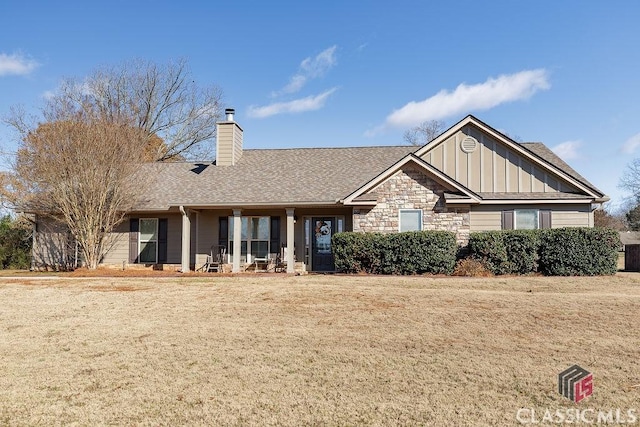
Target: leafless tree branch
(425, 132)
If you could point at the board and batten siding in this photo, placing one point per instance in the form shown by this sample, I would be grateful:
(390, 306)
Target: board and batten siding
(487, 218)
(492, 166)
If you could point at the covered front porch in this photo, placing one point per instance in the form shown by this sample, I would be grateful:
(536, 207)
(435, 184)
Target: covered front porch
(252, 239)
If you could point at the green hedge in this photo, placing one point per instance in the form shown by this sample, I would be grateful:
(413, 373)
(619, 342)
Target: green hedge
(506, 252)
(553, 252)
(413, 252)
(579, 251)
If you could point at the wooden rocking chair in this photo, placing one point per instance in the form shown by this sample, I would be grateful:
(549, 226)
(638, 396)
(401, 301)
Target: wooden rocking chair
(216, 260)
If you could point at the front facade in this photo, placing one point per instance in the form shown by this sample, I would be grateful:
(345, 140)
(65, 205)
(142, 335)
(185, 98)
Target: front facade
(256, 204)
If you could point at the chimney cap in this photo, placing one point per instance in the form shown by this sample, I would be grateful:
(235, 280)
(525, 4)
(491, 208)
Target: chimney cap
(229, 112)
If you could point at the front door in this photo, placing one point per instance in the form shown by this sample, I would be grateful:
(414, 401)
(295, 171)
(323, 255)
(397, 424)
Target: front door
(322, 257)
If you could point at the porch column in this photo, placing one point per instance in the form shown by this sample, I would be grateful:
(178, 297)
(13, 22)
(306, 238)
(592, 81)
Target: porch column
(186, 240)
(290, 241)
(237, 239)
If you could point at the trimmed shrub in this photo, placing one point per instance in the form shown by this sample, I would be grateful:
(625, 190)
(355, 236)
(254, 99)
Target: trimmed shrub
(354, 252)
(579, 251)
(506, 251)
(488, 247)
(396, 253)
(522, 250)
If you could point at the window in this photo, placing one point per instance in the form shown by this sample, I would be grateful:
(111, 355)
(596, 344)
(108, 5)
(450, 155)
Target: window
(526, 219)
(148, 240)
(255, 236)
(410, 220)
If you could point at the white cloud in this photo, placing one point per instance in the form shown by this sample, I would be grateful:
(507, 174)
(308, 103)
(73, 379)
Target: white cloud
(309, 103)
(16, 64)
(310, 68)
(466, 98)
(631, 144)
(568, 150)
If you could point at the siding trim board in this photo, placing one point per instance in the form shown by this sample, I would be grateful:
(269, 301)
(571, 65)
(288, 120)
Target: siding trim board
(426, 168)
(534, 201)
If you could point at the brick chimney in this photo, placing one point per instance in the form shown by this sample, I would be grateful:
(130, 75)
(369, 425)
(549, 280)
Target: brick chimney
(229, 140)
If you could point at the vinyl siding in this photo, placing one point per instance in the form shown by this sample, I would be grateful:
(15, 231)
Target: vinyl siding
(208, 226)
(119, 245)
(229, 147)
(119, 250)
(486, 218)
(52, 245)
(571, 218)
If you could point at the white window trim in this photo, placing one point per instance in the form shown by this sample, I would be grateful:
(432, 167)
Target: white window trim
(401, 211)
(140, 241)
(515, 218)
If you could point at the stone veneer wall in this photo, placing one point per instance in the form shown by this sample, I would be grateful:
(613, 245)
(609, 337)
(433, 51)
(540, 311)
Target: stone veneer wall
(412, 189)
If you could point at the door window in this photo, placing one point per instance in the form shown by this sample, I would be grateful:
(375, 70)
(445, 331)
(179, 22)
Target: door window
(148, 240)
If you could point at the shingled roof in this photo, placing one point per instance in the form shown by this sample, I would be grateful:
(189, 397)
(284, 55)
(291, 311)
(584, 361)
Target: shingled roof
(542, 151)
(294, 177)
(320, 176)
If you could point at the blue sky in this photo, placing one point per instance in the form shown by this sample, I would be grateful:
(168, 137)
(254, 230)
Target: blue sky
(340, 73)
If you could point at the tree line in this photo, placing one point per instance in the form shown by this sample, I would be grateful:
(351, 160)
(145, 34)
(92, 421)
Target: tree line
(78, 157)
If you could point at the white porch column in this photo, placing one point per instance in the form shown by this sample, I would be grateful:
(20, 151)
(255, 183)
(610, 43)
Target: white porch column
(237, 239)
(290, 241)
(186, 240)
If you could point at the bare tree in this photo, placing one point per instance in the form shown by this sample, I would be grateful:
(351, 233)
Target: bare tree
(162, 100)
(630, 180)
(78, 170)
(603, 218)
(424, 132)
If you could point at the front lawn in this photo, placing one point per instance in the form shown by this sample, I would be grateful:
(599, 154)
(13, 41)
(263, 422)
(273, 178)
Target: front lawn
(321, 350)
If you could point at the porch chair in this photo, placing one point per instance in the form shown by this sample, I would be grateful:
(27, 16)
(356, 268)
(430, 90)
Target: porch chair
(216, 260)
(280, 263)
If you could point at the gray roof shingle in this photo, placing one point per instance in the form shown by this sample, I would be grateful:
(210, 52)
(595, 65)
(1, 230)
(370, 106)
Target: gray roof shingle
(273, 176)
(542, 151)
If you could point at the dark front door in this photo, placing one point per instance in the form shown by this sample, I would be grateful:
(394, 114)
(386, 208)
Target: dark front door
(323, 229)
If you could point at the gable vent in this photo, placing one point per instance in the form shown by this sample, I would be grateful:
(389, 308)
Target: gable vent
(469, 144)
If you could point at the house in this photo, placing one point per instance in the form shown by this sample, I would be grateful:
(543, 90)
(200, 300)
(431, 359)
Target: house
(255, 202)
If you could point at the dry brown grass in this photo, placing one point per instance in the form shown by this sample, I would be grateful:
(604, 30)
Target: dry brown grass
(311, 350)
